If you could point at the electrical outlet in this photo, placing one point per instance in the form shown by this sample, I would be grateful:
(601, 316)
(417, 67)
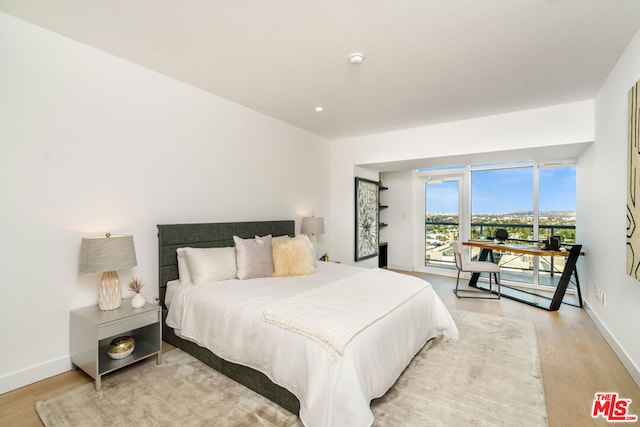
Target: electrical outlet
(600, 296)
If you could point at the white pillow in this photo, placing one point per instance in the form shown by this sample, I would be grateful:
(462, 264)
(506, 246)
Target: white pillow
(254, 257)
(172, 287)
(211, 264)
(183, 268)
(312, 249)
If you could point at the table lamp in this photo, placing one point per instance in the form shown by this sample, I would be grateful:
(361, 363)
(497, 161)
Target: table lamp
(312, 225)
(106, 254)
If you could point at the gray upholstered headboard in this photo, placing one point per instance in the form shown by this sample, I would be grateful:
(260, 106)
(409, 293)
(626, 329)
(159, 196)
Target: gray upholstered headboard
(209, 235)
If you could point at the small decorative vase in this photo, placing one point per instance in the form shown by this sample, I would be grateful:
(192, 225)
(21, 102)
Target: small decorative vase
(137, 301)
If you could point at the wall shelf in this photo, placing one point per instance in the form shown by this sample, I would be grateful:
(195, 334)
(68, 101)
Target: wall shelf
(382, 256)
(383, 247)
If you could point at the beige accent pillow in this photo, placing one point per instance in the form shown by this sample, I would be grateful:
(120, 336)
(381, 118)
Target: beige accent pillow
(292, 257)
(254, 257)
(277, 239)
(207, 265)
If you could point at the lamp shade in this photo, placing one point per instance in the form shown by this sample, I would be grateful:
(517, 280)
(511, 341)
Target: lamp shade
(312, 225)
(107, 253)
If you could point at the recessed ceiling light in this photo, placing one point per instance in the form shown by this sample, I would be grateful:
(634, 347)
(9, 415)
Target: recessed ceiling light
(319, 109)
(356, 58)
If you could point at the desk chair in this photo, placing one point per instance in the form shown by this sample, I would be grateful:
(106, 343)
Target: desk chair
(465, 265)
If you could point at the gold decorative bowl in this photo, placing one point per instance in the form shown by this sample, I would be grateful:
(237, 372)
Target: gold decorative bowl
(121, 347)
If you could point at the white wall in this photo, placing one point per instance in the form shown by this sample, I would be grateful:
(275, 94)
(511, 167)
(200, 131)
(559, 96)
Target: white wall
(548, 127)
(602, 223)
(400, 232)
(341, 217)
(92, 143)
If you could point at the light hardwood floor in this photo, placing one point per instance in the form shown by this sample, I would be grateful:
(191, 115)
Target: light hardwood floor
(576, 363)
(576, 360)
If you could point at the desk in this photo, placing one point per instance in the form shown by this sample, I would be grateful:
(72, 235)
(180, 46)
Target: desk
(486, 251)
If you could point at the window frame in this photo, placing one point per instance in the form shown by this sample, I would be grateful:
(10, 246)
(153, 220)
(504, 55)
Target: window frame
(464, 172)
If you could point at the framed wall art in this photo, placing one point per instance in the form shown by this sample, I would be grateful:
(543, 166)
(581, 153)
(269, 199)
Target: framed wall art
(633, 183)
(367, 214)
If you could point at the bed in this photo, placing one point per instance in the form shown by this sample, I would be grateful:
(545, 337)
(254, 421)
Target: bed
(241, 328)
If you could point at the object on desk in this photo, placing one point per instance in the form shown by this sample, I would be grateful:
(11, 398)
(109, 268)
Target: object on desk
(501, 235)
(552, 243)
(464, 265)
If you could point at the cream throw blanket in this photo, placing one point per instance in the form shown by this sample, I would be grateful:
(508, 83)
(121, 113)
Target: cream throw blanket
(333, 314)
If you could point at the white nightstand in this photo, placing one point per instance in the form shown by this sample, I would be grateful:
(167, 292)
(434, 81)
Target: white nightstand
(93, 329)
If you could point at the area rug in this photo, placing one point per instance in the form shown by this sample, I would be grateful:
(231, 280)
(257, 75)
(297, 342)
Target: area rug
(489, 377)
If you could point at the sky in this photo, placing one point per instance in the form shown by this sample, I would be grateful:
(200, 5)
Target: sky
(502, 191)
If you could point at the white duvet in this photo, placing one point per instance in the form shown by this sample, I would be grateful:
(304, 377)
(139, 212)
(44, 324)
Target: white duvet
(333, 314)
(227, 318)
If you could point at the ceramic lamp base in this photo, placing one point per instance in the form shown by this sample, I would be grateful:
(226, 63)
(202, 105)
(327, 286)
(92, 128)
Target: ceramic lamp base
(110, 293)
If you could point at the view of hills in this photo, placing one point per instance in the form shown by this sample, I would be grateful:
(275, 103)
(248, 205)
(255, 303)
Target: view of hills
(528, 214)
(518, 224)
(521, 217)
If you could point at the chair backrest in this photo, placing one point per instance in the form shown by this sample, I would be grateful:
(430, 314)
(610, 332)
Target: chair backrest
(459, 255)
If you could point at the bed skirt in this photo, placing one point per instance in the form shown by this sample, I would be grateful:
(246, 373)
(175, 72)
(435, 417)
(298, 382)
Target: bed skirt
(248, 377)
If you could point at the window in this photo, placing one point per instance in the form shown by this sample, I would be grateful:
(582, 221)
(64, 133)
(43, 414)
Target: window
(442, 219)
(557, 195)
(532, 202)
(556, 215)
(502, 198)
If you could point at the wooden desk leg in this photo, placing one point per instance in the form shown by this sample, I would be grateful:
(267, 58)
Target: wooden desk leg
(569, 268)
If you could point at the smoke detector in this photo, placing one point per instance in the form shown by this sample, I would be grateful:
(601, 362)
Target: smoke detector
(356, 58)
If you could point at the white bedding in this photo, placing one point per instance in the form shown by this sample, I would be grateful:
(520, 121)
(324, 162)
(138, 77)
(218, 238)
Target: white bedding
(333, 314)
(227, 318)
(172, 287)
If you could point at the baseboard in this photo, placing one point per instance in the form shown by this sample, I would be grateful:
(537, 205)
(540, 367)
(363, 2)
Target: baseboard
(400, 267)
(14, 380)
(631, 367)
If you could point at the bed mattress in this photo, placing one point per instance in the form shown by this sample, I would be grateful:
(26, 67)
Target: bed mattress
(227, 317)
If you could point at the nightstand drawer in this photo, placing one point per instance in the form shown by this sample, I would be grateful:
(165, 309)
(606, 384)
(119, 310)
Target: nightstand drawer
(123, 325)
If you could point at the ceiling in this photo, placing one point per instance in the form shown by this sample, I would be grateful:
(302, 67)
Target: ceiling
(427, 61)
